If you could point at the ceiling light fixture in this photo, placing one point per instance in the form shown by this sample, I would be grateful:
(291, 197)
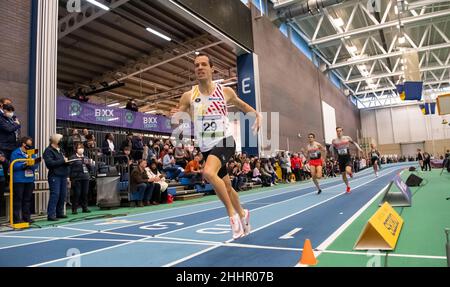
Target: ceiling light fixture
(159, 34)
(98, 4)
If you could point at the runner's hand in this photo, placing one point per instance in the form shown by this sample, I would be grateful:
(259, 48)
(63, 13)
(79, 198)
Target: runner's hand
(258, 122)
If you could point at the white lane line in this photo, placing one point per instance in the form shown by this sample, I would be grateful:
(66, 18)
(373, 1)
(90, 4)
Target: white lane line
(87, 253)
(324, 245)
(290, 234)
(41, 241)
(269, 193)
(262, 207)
(290, 190)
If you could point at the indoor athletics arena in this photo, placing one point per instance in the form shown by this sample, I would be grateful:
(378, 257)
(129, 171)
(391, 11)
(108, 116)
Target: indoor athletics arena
(207, 133)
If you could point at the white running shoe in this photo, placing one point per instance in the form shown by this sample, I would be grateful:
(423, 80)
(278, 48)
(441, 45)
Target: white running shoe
(236, 226)
(246, 222)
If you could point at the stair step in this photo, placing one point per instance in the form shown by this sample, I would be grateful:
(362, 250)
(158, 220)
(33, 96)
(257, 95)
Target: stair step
(189, 196)
(182, 192)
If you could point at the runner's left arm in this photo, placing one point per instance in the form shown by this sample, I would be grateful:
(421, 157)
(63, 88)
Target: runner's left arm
(356, 144)
(324, 152)
(233, 99)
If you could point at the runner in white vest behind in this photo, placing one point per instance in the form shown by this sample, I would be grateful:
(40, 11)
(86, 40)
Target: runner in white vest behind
(341, 147)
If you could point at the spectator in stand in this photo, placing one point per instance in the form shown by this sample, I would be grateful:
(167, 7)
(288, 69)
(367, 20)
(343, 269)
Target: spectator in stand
(132, 106)
(246, 169)
(296, 165)
(164, 151)
(124, 157)
(188, 150)
(159, 180)
(268, 169)
(180, 156)
(58, 172)
(90, 146)
(108, 147)
(9, 130)
(285, 165)
(4, 101)
(170, 166)
(128, 142)
(137, 147)
(23, 181)
(73, 141)
(238, 177)
(80, 168)
(257, 176)
(84, 134)
(141, 185)
(193, 170)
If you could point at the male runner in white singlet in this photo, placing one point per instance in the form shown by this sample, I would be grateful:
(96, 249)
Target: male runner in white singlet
(207, 104)
(341, 147)
(374, 158)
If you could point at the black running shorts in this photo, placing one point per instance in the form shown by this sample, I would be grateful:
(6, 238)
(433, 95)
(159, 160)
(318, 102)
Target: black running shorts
(223, 151)
(344, 161)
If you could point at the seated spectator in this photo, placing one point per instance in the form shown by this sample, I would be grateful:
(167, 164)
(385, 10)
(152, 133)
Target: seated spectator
(193, 170)
(23, 181)
(142, 186)
(164, 151)
(267, 169)
(180, 156)
(160, 182)
(58, 172)
(170, 166)
(238, 177)
(9, 130)
(80, 168)
(246, 169)
(257, 176)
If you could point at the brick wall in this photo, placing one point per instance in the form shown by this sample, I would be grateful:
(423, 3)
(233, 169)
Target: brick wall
(15, 21)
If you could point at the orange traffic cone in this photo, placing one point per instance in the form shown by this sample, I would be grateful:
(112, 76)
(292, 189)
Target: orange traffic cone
(308, 257)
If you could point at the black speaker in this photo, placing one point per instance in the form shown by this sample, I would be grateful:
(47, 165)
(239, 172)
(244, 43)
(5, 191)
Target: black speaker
(413, 180)
(412, 168)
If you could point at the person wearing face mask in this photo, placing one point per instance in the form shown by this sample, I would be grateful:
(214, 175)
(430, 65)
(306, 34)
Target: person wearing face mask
(23, 181)
(170, 166)
(58, 171)
(9, 129)
(80, 166)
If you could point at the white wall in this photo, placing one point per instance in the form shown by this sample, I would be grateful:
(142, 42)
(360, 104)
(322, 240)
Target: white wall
(404, 124)
(329, 122)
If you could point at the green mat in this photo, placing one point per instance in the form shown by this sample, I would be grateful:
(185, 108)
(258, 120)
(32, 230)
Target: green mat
(422, 233)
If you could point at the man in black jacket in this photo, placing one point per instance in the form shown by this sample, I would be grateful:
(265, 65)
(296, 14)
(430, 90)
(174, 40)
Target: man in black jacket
(9, 129)
(58, 172)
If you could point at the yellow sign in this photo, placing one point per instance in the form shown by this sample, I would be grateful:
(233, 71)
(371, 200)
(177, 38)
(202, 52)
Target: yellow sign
(382, 230)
